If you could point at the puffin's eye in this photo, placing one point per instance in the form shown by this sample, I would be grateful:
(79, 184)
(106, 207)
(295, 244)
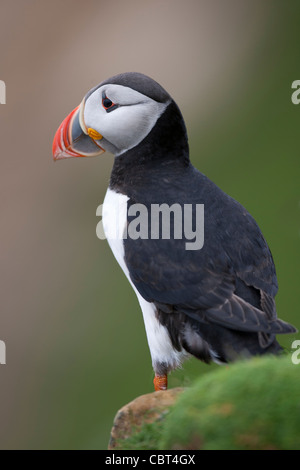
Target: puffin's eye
(107, 104)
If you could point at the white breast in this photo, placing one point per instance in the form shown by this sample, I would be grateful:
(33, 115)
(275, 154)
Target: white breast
(114, 222)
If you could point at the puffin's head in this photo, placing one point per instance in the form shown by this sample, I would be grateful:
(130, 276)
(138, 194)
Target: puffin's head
(116, 115)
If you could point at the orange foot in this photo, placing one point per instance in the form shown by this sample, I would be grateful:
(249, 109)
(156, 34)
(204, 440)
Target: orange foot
(160, 382)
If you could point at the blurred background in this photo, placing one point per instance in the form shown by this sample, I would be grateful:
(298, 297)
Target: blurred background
(76, 346)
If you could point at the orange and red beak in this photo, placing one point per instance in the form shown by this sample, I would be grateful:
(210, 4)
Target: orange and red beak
(74, 139)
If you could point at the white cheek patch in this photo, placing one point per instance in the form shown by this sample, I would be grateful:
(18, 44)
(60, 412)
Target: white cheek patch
(128, 124)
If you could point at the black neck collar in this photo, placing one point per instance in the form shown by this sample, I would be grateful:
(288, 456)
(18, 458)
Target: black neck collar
(165, 145)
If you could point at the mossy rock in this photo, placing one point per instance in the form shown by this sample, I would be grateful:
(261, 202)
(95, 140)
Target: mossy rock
(138, 424)
(252, 404)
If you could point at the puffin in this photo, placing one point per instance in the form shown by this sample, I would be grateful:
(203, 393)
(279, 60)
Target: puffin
(211, 297)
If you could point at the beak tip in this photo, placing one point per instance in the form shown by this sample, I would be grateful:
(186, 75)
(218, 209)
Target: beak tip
(54, 155)
(56, 147)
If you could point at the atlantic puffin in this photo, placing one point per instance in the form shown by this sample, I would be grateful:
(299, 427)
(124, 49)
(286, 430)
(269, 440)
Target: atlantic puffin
(214, 301)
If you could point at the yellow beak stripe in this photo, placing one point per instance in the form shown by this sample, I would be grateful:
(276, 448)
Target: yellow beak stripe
(94, 134)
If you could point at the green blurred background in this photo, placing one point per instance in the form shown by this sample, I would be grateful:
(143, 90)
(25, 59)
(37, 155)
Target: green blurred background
(76, 346)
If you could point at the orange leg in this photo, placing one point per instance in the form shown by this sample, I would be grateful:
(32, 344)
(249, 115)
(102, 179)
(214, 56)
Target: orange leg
(160, 382)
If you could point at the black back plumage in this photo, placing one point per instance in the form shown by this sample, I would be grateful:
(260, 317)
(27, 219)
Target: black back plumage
(222, 294)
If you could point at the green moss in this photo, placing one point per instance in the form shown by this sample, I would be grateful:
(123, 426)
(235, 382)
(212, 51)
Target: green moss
(249, 405)
(252, 404)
